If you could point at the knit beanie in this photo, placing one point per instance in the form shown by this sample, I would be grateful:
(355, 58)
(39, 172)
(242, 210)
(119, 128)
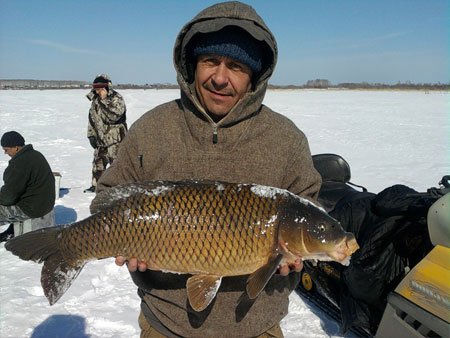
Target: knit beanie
(12, 139)
(232, 42)
(101, 81)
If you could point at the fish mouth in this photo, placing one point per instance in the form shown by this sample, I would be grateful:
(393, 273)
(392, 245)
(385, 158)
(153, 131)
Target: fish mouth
(336, 251)
(345, 248)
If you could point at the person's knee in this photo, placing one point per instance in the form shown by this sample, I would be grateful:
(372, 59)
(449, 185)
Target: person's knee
(146, 330)
(273, 332)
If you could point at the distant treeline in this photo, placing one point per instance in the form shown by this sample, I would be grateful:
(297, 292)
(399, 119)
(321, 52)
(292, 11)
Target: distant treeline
(55, 84)
(311, 84)
(326, 84)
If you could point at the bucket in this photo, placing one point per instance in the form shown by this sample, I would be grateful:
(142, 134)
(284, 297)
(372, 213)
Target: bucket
(57, 183)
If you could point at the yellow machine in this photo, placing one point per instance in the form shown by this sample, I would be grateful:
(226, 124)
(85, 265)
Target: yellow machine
(420, 304)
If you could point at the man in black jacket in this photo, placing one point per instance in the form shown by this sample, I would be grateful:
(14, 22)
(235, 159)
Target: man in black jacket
(29, 184)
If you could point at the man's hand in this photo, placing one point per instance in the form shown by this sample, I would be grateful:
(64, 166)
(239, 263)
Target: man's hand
(93, 141)
(289, 262)
(101, 92)
(134, 265)
(297, 266)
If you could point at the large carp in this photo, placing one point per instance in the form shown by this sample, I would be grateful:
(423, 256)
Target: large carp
(209, 230)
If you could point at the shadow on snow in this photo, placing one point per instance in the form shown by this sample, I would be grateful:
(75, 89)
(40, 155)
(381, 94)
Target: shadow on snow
(64, 215)
(62, 326)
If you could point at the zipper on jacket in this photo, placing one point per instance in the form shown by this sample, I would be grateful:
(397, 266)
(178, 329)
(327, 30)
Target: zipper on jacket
(215, 134)
(201, 109)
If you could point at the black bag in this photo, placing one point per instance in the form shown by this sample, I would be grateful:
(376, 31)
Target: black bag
(391, 230)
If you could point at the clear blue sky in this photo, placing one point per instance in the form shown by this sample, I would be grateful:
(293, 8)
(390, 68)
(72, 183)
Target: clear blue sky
(132, 41)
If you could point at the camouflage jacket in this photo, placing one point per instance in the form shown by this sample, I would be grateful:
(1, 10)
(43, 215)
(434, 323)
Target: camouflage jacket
(107, 118)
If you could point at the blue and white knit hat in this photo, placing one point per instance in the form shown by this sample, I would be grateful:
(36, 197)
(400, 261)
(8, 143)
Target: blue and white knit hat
(232, 42)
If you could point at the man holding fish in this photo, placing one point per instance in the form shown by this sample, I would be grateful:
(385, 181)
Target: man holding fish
(218, 130)
(209, 198)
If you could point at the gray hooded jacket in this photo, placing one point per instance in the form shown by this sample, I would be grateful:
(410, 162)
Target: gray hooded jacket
(174, 141)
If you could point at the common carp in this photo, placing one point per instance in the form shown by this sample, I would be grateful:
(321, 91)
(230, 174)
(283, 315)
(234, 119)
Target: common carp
(207, 229)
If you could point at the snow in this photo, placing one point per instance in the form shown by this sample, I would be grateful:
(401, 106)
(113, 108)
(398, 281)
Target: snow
(388, 137)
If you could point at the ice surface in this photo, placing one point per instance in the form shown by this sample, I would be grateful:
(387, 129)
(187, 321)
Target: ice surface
(387, 137)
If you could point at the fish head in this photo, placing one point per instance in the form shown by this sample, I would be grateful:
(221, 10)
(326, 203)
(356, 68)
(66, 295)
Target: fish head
(307, 231)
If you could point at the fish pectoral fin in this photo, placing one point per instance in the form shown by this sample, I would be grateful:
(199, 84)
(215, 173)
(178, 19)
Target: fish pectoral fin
(201, 290)
(258, 279)
(57, 276)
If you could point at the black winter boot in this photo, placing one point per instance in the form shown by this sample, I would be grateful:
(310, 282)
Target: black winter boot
(7, 234)
(90, 189)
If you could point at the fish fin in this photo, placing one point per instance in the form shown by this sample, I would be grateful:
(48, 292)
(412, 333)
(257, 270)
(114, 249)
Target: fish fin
(42, 246)
(57, 276)
(201, 290)
(258, 279)
(36, 245)
(109, 197)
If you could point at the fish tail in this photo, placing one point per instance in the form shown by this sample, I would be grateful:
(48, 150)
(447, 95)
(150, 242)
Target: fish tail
(42, 246)
(57, 276)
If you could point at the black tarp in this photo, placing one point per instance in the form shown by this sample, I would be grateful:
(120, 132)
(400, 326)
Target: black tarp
(391, 230)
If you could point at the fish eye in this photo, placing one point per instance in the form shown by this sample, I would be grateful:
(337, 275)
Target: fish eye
(321, 227)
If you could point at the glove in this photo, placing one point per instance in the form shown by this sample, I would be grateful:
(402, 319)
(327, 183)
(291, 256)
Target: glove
(92, 141)
(91, 95)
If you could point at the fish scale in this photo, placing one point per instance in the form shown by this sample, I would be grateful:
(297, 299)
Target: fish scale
(206, 229)
(183, 237)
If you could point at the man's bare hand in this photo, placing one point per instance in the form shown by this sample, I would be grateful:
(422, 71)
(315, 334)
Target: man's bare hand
(101, 92)
(297, 266)
(133, 264)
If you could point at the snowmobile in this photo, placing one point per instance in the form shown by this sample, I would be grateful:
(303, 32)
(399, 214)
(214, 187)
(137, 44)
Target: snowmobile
(420, 304)
(398, 282)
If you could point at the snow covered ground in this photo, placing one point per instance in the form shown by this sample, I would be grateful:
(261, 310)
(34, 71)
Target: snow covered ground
(388, 137)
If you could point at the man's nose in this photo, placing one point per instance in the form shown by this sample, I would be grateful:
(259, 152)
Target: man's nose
(220, 76)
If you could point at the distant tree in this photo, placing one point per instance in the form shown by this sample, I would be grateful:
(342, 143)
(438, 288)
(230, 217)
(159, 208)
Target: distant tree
(318, 83)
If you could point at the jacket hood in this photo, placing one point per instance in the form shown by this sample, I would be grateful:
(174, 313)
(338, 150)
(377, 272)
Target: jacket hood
(109, 88)
(213, 19)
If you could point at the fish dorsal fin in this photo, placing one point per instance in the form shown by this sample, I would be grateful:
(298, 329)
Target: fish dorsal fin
(201, 290)
(258, 279)
(107, 198)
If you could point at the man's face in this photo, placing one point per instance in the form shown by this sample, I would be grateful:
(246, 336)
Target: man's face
(101, 92)
(11, 151)
(220, 82)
